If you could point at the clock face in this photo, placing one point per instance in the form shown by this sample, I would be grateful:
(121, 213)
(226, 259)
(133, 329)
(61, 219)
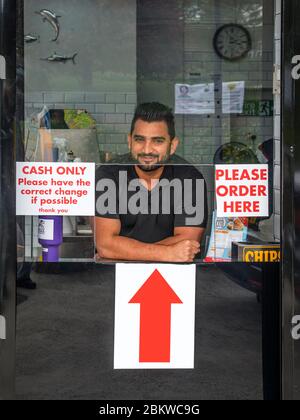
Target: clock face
(232, 42)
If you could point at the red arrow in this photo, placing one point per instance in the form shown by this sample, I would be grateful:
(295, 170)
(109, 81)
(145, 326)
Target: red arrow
(155, 298)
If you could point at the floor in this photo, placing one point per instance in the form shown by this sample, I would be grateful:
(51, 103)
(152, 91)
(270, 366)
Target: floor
(65, 342)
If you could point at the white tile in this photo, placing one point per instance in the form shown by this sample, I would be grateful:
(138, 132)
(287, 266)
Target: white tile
(125, 108)
(94, 97)
(34, 97)
(115, 98)
(105, 108)
(53, 97)
(74, 97)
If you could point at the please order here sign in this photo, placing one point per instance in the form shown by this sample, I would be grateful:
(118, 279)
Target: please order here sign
(242, 190)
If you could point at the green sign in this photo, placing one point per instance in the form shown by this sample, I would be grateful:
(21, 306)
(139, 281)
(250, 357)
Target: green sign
(258, 108)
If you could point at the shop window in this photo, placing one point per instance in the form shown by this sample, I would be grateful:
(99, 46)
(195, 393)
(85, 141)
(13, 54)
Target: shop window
(211, 63)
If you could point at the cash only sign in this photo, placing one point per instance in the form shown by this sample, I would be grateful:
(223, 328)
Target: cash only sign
(60, 189)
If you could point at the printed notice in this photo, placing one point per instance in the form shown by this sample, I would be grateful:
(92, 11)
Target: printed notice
(233, 97)
(195, 99)
(55, 189)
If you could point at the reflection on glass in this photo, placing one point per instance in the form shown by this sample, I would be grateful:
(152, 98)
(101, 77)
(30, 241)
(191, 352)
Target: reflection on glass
(136, 53)
(61, 135)
(238, 121)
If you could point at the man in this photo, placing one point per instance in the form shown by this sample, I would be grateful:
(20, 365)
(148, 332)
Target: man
(150, 234)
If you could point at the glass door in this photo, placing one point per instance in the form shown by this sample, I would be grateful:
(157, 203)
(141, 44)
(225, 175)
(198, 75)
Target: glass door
(86, 69)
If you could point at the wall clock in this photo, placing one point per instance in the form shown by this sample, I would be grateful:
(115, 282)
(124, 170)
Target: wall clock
(232, 42)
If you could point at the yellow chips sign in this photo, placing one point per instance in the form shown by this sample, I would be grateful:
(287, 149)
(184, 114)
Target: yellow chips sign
(261, 255)
(256, 253)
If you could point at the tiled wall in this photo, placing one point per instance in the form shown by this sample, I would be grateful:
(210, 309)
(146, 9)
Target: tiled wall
(203, 135)
(191, 59)
(102, 79)
(200, 136)
(277, 126)
(112, 112)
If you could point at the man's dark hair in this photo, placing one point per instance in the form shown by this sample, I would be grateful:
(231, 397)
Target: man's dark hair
(155, 112)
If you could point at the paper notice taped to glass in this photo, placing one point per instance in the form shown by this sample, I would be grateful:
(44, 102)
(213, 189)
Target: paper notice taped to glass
(233, 97)
(195, 99)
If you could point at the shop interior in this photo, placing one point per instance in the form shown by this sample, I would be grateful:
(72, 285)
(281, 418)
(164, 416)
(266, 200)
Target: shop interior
(84, 75)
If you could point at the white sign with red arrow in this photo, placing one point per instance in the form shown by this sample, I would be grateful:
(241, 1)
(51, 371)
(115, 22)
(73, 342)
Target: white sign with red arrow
(154, 316)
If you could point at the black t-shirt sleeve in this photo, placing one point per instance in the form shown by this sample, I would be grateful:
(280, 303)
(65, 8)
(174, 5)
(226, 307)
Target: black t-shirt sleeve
(106, 194)
(192, 209)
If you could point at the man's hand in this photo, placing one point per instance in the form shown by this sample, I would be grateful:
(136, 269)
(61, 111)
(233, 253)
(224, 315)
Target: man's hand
(180, 248)
(184, 251)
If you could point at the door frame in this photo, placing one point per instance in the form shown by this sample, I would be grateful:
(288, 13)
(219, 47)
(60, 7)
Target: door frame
(7, 209)
(290, 163)
(290, 188)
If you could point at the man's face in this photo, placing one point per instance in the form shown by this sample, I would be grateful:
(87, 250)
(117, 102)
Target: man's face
(150, 144)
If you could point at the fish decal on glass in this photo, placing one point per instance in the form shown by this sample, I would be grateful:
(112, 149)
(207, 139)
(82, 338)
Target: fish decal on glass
(52, 18)
(60, 58)
(30, 38)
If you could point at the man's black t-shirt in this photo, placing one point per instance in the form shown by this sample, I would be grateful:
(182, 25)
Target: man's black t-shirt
(161, 209)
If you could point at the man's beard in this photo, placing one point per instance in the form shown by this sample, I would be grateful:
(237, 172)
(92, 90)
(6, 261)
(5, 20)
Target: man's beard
(150, 168)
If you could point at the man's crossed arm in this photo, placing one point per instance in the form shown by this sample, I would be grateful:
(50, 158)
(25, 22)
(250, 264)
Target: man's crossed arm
(182, 247)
